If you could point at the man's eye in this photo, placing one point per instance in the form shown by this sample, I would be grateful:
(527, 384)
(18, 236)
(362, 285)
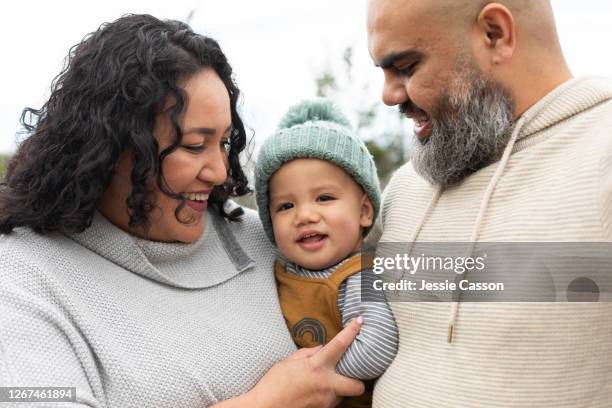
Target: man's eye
(284, 207)
(325, 197)
(406, 69)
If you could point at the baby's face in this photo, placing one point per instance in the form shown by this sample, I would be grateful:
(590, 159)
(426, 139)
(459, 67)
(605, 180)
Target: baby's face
(318, 212)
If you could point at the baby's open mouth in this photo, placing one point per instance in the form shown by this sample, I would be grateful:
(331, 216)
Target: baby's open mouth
(311, 238)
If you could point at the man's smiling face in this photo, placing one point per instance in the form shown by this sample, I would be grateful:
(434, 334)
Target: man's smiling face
(463, 119)
(417, 57)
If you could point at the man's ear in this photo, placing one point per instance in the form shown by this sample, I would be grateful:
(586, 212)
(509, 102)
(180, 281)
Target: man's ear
(367, 212)
(498, 32)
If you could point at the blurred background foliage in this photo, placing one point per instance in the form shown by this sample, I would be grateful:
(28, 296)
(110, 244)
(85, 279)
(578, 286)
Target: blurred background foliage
(383, 129)
(3, 159)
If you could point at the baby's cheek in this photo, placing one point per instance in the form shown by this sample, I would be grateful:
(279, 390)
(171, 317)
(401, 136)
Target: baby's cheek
(280, 236)
(277, 231)
(347, 226)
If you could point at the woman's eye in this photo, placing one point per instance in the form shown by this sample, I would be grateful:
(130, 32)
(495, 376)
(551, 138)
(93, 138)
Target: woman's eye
(325, 197)
(226, 145)
(284, 207)
(195, 148)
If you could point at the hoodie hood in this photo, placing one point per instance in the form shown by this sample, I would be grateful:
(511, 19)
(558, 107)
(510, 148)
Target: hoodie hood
(567, 100)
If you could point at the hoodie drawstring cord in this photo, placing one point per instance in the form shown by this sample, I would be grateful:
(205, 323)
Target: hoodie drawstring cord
(415, 233)
(454, 311)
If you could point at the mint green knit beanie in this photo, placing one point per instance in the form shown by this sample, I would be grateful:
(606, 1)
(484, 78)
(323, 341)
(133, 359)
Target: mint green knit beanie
(315, 129)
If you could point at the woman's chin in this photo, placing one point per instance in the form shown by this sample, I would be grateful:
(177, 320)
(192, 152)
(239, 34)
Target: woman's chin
(191, 233)
(175, 231)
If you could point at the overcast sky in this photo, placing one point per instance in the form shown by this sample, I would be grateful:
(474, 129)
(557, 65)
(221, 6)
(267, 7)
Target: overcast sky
(277, 47)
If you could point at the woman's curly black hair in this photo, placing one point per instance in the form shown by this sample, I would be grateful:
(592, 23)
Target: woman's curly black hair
(104, 102)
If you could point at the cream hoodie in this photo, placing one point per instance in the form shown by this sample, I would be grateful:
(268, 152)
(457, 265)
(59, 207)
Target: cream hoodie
(554, 183)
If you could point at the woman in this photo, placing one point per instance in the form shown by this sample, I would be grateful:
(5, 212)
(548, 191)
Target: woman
(124, 271)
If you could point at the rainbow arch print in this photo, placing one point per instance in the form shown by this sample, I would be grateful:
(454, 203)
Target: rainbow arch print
(310, 326)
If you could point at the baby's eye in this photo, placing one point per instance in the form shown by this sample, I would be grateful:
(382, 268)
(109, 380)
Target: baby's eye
(284, 207)
(325, 197)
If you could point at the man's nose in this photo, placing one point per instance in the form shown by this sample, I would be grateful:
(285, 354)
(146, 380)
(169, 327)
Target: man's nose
(394, 90)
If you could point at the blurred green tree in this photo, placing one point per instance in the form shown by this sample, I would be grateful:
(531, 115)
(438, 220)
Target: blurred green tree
(3, 160)
(381, 128)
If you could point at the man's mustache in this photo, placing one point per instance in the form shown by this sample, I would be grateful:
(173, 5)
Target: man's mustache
(406, 108)
(411, 110)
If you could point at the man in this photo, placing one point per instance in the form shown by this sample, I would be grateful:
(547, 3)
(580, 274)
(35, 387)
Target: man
(509, 148)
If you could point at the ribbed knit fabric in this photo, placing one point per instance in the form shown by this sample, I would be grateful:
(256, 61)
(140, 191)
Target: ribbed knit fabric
(376, 344)
(556, 186)
(134, 323)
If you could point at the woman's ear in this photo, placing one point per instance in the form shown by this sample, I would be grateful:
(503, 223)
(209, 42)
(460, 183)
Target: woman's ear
(497, 31)
(367, 212)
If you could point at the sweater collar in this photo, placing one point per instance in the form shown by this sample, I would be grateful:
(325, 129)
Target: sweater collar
(295, 269)
(215, 258)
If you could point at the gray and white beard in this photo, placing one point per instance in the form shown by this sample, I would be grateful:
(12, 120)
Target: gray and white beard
(469, 132)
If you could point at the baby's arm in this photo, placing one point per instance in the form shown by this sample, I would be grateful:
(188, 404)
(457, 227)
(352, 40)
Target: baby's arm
(376, 345)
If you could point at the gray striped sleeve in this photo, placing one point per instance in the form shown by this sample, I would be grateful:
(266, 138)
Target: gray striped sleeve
(376, 345)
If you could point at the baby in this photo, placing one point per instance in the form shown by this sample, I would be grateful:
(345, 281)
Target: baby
(318, 196)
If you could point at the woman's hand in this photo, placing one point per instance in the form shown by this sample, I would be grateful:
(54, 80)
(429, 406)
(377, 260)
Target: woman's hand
(306, 379)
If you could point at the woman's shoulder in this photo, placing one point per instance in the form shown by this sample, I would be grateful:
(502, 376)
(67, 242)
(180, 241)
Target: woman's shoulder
(25, 243)
(27, 257)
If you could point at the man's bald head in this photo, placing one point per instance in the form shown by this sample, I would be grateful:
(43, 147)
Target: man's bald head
(534, 19)
(512, 41)
(469, 9)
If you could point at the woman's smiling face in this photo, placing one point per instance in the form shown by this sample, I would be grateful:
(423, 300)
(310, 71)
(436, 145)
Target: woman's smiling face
(191, 171)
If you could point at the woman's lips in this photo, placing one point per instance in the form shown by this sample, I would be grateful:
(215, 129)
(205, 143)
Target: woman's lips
(199, 206)
(198, 200)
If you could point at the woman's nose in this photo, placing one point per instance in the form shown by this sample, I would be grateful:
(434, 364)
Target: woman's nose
(215, 167)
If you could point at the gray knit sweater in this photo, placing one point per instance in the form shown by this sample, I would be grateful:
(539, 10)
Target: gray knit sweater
(135, 323)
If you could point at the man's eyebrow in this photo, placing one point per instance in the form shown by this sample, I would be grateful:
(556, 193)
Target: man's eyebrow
(206, 131)
(390, 59)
